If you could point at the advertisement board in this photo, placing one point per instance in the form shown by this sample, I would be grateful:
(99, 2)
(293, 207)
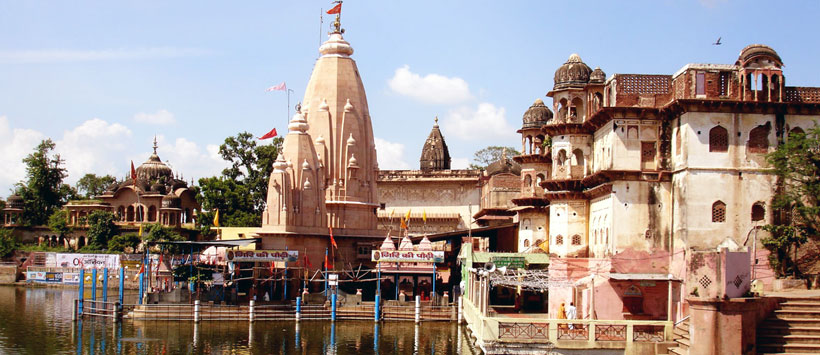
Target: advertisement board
(71, 278)
(89, 261)
(409, 256)
(262, 255)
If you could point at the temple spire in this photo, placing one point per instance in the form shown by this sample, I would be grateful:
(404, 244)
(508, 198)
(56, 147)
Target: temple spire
(155, 144)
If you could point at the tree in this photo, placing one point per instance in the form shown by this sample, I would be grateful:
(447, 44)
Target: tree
(241, 191)
(101, 228)
(796, 203)
(91, 185)
(58, 222)
(491, 154)
(43, 191)
(124, 243)
(159, 233)
(7, 243)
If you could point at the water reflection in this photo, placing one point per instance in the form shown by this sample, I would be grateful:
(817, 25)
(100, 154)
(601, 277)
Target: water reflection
(38, 321)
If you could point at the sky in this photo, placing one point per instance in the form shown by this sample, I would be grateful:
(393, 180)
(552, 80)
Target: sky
(102, 78)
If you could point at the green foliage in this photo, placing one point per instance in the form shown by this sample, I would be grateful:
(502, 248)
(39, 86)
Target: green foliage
(43, 191)
(101, 229)
(123, 243)
(491, 154)
(796, 203)
(35, 247)
(58, 222)
(7, 243)
(200, 273)
(159, 233)
(92, 185)
(241, 191)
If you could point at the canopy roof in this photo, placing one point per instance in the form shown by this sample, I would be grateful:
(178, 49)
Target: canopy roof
(205, 244)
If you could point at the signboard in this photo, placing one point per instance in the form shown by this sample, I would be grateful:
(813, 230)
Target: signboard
(55, 277)
(263, 255)
(514, 262)
(35, 275)
(408, 256)
(71, 278)
(333, 279)
(89, 261)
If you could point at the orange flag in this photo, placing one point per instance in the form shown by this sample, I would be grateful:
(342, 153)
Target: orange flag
(335, 10)
(332, 241)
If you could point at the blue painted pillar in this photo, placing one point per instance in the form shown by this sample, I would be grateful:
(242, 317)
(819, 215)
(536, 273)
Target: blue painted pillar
(376, 338)
(376, 309)
(379, 281)
(285, 279)
(105, 285)
(122, 283)
(142, 288)
(298, 308)
(94, 285)
(82, 291)
(434, 283)
(333, 307)
(325, 273)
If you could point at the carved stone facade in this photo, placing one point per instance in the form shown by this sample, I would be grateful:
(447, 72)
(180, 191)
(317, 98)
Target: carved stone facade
(640, 170)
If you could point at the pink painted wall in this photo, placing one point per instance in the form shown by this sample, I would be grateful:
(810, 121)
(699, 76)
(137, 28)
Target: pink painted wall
(736, 272)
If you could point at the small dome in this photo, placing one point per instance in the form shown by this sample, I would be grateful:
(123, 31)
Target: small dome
(14, 201)
(307, 184)
(323, 106)
(504, 165)
(348, 106)
(350, 140)
(537, 115)
(598, 76)
(353, 163)
(153, 169)
(320, 140)
(755, 51)
(336, 46)
(298, 123)
(171, 201)
(305, 165)
(280, 164)
(573, 73)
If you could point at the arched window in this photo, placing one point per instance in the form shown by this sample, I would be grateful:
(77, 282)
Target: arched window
(576, 239)
(578, 157)
(140, 213)
(577, 112)
(758, 140)
(718, 139)
(758, 212)
(718, 212)
(561, 157)
(528, 181)
(526, 243)
(121, 213)
(130, 214)
(795, 131)
(559, 240)
(152, 214)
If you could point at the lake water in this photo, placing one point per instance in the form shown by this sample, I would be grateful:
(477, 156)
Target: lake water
(38, 321)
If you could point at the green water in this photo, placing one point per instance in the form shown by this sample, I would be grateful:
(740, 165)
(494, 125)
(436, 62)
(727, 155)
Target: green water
(38, 321)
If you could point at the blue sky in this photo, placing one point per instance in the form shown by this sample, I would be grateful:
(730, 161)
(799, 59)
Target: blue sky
(101, 78)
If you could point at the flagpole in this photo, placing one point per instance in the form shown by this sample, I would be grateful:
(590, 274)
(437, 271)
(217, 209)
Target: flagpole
(321, 22)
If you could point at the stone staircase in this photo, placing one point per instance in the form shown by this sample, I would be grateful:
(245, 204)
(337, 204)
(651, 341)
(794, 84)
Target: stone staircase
(794, 328)
(681, 336)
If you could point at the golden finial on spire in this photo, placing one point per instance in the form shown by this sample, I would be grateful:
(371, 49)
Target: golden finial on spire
(337, 25)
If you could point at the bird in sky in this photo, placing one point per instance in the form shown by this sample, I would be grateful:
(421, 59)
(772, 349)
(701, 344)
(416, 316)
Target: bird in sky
(717, 43)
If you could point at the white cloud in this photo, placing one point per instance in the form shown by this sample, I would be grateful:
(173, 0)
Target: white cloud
(390, 155)
(82, 55)
(15, 144)
(186, 158)
(459, 163)
(161, 118)
(431, 88)
(95, 146)
(99, 147)
(485, 122)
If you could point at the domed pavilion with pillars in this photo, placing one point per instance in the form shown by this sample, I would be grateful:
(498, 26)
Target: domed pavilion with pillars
(157, 195)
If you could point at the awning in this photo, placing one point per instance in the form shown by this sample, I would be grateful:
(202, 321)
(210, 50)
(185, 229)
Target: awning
(639, 277)
(520, 208)
(204, 244)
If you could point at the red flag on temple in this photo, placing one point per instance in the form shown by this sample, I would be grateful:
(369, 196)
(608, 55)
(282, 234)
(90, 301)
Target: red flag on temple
(133, 172)
(335, 10)
(270, 134)
(328, 265)
(307, 261)
(332, 241)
